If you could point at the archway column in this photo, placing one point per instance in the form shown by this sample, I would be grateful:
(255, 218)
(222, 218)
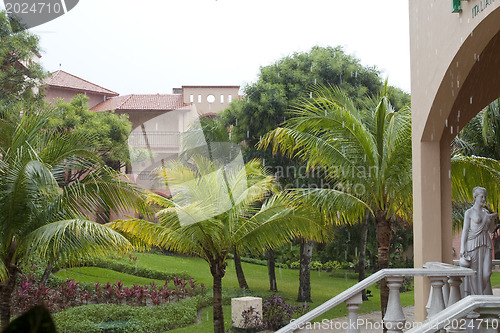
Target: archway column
(432, 212)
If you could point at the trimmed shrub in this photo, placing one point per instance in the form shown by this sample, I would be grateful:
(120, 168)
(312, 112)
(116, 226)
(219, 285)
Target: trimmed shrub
(89, 318)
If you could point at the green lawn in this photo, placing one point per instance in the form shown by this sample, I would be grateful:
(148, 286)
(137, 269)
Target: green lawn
(206, 324)
(90, 275)
(323, 285)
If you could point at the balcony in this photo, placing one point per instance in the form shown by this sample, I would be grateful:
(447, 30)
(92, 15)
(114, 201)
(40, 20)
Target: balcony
(154, 139)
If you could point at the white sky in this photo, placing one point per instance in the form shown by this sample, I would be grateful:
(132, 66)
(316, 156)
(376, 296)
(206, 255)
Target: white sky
(152, 46)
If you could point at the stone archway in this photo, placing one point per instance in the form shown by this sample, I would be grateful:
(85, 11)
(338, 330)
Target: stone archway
(455, 67)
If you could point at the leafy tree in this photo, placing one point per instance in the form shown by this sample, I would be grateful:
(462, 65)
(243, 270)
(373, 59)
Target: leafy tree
(279, 86)
(109, 131)
(216, 137)
(38, 218)
(206, 220)
(365, 153)
(267, 102)
(19, 75)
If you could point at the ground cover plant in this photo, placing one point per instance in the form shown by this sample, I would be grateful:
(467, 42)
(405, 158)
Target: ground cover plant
(324, 285)
(70, 293)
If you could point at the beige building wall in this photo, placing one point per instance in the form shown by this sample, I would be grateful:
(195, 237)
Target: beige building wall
(53, 93)
(455, 66)
(210, 99)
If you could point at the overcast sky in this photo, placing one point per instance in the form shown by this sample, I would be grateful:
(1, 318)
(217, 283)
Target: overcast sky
(152, 46)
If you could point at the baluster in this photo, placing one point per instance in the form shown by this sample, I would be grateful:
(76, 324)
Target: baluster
(394, 319)
(437, 301)
(446, 291)
(455, 293)
(353, 304)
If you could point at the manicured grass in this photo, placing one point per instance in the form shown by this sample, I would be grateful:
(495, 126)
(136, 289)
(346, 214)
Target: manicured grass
(90, 275)
(207, 324)
(323, 285)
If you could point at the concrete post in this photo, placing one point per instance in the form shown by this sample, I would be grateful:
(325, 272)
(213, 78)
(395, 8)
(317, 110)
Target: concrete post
(437, 301)
(394, 318)
(353, 304)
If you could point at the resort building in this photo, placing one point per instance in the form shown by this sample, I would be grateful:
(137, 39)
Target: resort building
(158, 120)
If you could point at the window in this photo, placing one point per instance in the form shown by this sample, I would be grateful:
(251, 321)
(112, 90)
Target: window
(229, 98)
(191, 98)
(199, 98)
(222, 98)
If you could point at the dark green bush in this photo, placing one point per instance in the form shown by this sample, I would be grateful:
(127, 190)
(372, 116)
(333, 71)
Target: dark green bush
(84, 319)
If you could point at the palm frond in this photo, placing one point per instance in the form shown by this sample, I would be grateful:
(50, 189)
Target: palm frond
(337, 206)
(276, 223)
(469, 172)
(72, 241)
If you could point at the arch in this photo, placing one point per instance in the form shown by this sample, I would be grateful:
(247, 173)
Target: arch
(473, 72)
(455, 66)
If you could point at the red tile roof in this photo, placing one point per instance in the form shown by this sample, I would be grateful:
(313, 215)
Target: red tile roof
(160, 102)
(64, 80)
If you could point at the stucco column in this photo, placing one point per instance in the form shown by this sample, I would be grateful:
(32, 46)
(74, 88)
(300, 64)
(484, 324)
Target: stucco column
(427, 239)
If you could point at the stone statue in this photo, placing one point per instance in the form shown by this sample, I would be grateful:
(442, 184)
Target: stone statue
(476, 247)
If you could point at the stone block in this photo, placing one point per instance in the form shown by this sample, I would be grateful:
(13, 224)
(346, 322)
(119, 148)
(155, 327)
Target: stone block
(238, 305)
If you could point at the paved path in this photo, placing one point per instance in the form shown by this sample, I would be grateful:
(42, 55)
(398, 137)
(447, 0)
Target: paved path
(370, 322)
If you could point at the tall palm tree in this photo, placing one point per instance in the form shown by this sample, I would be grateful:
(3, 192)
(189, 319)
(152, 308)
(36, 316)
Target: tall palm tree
(40, 219)
(210, 215)
(365, 154)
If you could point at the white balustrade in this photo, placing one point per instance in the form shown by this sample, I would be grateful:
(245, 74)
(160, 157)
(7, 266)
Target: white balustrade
(440, 275)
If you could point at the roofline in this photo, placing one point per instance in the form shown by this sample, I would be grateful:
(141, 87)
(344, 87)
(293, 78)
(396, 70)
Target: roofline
(238, 87)
(60, 70)
(112, 94)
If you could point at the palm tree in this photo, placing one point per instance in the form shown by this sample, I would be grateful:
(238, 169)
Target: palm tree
(365, 154)
(40, 219)
(475, 161)
(215, 210)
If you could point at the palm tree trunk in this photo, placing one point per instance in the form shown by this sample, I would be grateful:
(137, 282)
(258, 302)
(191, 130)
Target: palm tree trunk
(271, 270)
(306, 247)
(46, 273)
(362, 252)
(217, 268)
(384, 235)
(239, 271)
(7, 287)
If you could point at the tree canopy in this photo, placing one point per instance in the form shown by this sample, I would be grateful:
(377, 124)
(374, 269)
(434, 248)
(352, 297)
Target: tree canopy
(108, 131)
(19, 73)
(267, 102)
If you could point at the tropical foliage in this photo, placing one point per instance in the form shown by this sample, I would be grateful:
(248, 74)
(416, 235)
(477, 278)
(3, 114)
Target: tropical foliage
(18, 73)
(38, 217)
(364, 153)
(108, 130)
(475, 161)
(215, 210)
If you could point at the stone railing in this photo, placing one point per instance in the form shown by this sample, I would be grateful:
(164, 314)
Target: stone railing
(476, 313)
(445, 282)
